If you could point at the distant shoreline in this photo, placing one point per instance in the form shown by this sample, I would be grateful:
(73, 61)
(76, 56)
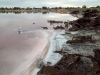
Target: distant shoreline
(44, 11)
(35, 11)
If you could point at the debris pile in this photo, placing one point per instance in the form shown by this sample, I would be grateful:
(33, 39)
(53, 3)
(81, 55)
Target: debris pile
(89, 21)
(73, 64)
(97, 22)
(90, 13)
(75, 12)
(76, 63)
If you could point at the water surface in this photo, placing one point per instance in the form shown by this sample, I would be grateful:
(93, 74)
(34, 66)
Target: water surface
(18, 51)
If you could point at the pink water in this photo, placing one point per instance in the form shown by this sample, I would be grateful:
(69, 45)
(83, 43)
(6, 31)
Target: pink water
(18, 51)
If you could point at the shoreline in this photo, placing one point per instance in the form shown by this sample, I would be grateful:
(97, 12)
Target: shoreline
(80, 53)
(50, 54)
(73, 50)
(57, 41)
(35, 11)
(48, 50)
(30, 70)
(32, 67)
(33, 56)
(26, 44)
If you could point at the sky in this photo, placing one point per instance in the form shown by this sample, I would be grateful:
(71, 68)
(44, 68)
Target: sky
(48, 3)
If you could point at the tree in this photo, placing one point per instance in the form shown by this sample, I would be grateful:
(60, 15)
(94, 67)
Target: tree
(56, 7)
(28, 8)
(97, 6)
(2, 8)
(44, 7)
(84, 6)
(16, 8)
(60, 7)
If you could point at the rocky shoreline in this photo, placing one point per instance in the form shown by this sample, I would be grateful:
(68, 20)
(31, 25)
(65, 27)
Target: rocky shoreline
(81, 52)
